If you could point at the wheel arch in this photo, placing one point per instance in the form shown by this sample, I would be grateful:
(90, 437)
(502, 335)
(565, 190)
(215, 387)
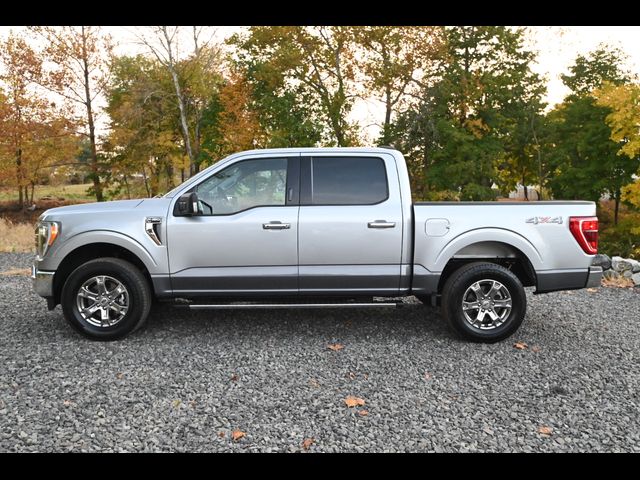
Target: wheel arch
(82, 254)
(491, 251)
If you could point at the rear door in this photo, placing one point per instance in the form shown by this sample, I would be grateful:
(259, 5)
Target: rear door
(350, 225)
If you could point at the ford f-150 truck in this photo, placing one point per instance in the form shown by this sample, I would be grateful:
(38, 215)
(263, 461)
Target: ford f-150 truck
(310, 227)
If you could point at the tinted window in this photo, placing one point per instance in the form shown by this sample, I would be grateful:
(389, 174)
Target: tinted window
(244, 185)
(348, 181)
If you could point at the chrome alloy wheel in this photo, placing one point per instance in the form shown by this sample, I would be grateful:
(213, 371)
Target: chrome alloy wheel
(102, 301)
(486, 304)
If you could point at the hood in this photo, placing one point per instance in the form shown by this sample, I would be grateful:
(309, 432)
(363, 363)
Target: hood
(98, 207)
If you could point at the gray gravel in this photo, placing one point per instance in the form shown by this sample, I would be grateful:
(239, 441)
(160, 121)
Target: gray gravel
(187, 380)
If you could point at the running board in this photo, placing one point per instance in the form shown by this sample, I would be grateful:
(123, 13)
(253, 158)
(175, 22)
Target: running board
(231, 306)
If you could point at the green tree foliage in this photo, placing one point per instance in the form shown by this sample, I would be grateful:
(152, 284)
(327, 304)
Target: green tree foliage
(144, 137)
(393, 61)
(587, 162)
(304, 81)
(476, 114)
(624, 119)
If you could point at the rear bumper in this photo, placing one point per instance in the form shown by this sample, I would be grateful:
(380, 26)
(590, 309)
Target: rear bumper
(42, 282)
(554, 280)
(595, 277)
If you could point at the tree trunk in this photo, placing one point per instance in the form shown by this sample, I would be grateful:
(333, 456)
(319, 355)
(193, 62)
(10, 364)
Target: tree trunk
(33, 188)
(196, 144)
(425, 177)
(616, 198)
(183, 121)
(21, 199)
(126, 186)
(539, 155)
(386, 133)
(170, 183)
(524, 186)
(146, 182)
(97, 187)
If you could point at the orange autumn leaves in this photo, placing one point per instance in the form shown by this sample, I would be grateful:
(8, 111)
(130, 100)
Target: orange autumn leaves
(352, 401)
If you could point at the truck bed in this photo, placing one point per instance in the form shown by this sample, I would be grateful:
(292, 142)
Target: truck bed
(538, 231)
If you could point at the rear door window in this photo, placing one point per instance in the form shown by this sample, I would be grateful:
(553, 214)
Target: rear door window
(348, 181)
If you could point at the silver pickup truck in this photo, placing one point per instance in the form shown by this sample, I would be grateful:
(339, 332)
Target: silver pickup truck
(309, 227)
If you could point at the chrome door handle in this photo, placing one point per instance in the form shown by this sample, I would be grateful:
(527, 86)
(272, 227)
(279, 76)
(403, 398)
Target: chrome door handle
(381, 224)
(276, 226)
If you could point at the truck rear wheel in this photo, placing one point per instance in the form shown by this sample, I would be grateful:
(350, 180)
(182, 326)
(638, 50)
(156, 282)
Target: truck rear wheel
(106, 299)
(484, 302)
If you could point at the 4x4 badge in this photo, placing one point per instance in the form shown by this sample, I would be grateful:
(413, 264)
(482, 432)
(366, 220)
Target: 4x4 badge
(537, 220)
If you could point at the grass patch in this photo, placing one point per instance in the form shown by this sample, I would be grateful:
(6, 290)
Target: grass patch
(16, 237)
(66, 192)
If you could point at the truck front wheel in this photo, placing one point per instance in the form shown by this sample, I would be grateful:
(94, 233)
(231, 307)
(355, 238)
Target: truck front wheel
(483, 302)
(106, 298)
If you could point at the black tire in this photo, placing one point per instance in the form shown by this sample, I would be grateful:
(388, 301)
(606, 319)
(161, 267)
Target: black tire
(461, 280)
(138, 290)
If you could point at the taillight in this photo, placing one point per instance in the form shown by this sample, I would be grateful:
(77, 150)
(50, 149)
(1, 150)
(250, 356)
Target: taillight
(585, 231)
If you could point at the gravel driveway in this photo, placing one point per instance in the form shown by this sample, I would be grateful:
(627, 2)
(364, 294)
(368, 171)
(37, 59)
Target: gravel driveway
(188, 380)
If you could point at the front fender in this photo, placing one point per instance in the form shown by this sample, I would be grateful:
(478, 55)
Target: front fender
(155, 265)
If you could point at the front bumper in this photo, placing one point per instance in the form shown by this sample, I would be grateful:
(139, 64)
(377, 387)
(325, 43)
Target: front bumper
(595, 277)
(42, 282)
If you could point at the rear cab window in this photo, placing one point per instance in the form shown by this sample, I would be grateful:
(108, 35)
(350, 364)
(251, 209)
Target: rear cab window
(345, 181)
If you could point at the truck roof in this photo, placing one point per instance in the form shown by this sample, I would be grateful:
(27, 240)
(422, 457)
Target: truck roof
(311, 150)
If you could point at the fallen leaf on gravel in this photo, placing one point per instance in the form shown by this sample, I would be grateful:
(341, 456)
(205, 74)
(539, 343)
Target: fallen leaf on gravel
(363, 413)
(237, 435)
(353, 401)
(119, 375)
(520, 345)
(221, 434)
(314, 383)
(427, 376)
(535, 349)
(308, 442)
(592, 290)
(234, 378)
(351, 375)
(620, 282)
(546, 431)
(335, 347)
(67, 403)
(192, 404)
(176, 403)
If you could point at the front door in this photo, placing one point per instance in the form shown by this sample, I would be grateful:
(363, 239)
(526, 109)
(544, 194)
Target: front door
(245, 239)
(350, 225)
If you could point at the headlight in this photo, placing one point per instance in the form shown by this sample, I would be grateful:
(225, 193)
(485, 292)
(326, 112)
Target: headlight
(46, 234)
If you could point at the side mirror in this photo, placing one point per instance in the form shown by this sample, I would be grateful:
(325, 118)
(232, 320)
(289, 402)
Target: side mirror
(187, 204)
